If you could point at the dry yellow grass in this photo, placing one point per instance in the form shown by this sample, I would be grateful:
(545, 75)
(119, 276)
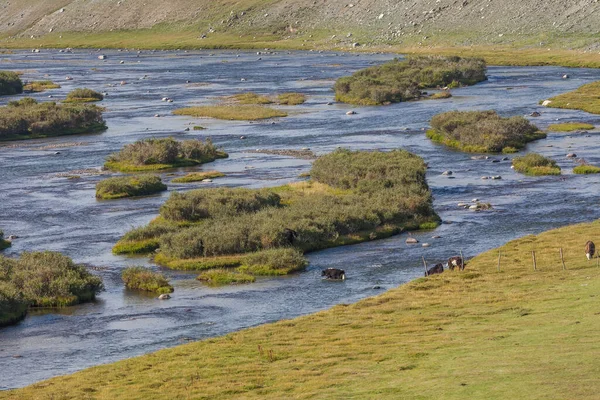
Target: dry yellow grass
(232, 112)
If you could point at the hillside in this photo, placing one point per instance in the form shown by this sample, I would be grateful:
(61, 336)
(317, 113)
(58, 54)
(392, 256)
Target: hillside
(311, 22)
(476, 334)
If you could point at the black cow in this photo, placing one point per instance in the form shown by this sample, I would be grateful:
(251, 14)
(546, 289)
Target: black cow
(290, 236)
(334, 274)
(437, 269)
(456, 261)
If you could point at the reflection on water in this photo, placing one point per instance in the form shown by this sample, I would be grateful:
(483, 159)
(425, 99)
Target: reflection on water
(51, 212)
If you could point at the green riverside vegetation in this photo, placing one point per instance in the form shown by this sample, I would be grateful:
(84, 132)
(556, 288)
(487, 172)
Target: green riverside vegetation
(584, 98)
(40, 86)
(234, 112)
(477, 334)
(482, 131)
(141, 278)
(198, 176)
(403, 80)
(83, 96)
(10, 83)
(570, 127)
(129, 186)
(586, 169)
(157, 154)
(535, 164)
(353, 197)
(42, 279)
(291, 99)
(28, 119)
(4, 244)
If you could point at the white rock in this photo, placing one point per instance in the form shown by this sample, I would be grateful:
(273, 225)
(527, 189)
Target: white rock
(546, 103)
(411, 240)
(351, 113)
(164, 297)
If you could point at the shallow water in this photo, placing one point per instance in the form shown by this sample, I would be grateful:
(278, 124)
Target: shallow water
(51, 212)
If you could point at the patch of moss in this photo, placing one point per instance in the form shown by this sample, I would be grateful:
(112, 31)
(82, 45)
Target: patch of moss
(570, 127)
(535, 164)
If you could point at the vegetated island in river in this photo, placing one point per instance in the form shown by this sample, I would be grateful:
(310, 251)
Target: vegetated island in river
(144, 279)
(354, 196)
(465, 331)
(10, 83)
(535, 164)
(129, 186)
(28, 119)
(403, 80)
(158, 154)
(42, 280)
(482, 131)
(83, 96)
(584, 98)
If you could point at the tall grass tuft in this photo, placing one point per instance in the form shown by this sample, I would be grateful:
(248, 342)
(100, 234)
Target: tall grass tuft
(129, 186)
(141, 278)
(535, 164)
(83, 96)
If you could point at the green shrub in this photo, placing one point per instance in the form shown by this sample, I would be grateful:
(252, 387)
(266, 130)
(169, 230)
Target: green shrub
(535, 164)
(49, 279)
(10, 83)
(482, 131)
(13, 306)
(83, 96)
(141, 278)
(225, 277)
(4, 244)
(586, 169)
(156, 154)
(398, 81)
(129, 186)
(281, 261)
(26, 118)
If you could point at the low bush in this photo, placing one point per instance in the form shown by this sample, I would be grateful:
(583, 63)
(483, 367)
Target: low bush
(218, 277)
(281, 261)
(232, 112)
(535, 164)
(40, 86)
(26, 119)
(482, 131)
(140, 278)
(49, 279)
(291, 99)
(83, 96)
(403, 80)
(13, 306)
(10, 83)
(129, 186)
(157, 154)
(570, 127)
(586, 169)
(198, 176)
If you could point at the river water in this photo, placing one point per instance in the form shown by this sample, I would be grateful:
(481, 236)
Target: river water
(48, 211)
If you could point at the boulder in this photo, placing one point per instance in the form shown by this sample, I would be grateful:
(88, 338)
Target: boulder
(411, 240)
(571, 155)
(164, 297)
(447, 173)
(351, 112)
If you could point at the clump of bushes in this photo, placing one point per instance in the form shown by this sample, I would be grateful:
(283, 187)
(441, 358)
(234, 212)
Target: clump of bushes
(4, 244)
(353, 197)
(291, 99)
(403, 80)
(26, 119)
(140, 278)
(129, 186)
(198, 176)
(222, 276)
(232, 112)
(586, 169)
(535, 164)
(42, 279)
(10, 83)
(83, 96)
(157, 154)
(40, 86)
(482, 131)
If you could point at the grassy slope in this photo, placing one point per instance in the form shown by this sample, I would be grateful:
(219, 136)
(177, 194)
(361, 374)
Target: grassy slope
(479, 334)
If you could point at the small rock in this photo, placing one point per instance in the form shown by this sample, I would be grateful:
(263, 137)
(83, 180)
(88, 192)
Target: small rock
(12, 237)
(206, 180)
(164, 297)
(121, 62)
(571, 155)
(436, 237)
(425, 245)
(447, 173)
(485, 177)
(101, 57)
(330, 103)
(505, 159)
(242, 137)
(565, 76)
(377, 287)
(474, 207)
(463, 205)
(351, 112)
(495, 160)
(474, 200)
(156, 115)
(56, 153)
(535, 114)
(496, 177)
(411, 240)
(68, 78)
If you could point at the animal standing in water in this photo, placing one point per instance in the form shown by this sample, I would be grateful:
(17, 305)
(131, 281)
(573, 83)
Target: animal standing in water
(590, 249)
(456, 261)
(437, 269)
(334, 274)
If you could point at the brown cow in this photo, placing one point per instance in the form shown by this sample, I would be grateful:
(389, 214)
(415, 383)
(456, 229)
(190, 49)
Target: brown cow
(456, 261)
(590, 249)
(437, 269)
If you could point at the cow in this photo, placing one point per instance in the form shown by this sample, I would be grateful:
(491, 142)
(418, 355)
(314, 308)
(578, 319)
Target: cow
(456, 261)
(590, 249)
(290, 236)
(437, 269)
(333, 274)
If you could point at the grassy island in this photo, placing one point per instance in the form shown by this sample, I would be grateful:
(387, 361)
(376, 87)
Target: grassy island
(477, 334)
(83, 96)
(482, 131)
(403, 80)
(570, 127)
(585, 98)
(535, 164)
(40, 86)
(140, 278)
(10, 83)
(42, 279)
(28, 119)
(586, 169)
(198, 176)
(158, 154)
(353, 197)
(4, 244)
(129, 186)
(232, 112)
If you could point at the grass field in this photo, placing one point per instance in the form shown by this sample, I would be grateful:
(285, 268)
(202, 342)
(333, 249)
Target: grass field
(477, 334)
